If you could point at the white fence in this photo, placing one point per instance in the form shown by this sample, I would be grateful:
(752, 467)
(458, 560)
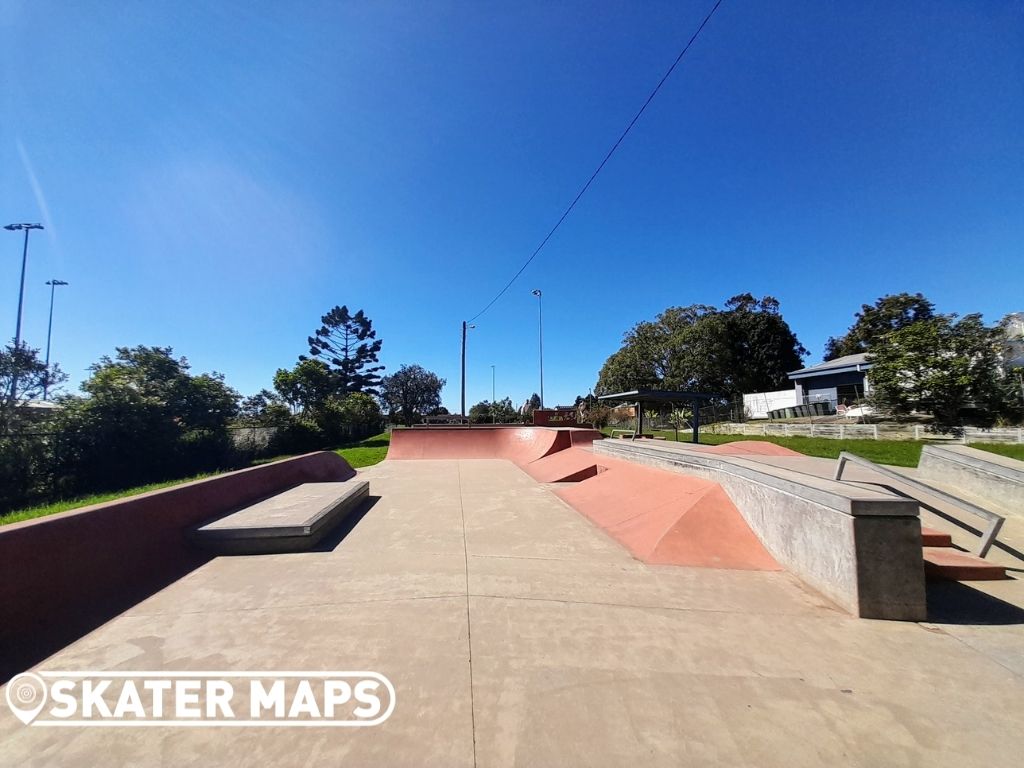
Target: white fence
(867, 432)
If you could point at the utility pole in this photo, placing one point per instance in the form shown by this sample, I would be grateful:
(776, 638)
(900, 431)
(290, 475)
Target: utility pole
(49, 332)
(494, 416)
(540, 328)
(21, 297)
(465, 326)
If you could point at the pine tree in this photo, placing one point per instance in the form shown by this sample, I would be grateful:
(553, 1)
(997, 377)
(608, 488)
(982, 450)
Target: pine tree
(349, 345)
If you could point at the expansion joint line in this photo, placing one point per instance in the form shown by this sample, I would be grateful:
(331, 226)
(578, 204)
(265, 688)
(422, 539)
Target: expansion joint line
(469, 620)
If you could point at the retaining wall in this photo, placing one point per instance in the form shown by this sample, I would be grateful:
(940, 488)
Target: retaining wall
(63, 575)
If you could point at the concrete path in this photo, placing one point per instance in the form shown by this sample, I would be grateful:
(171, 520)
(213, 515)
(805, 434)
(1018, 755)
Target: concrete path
(518, 634)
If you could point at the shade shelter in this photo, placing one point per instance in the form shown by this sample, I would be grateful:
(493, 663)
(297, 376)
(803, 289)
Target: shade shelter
(643, 397)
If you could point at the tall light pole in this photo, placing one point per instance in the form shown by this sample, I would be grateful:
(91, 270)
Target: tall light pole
(494, 416)
(49, 333)
(540, 329)
(21, 297)
(24, 260)
(465, 326)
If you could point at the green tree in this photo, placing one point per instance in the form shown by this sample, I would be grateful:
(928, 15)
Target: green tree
(306, 386)
(22, 365)
(499, 412)
(25, 445)
(145, 418)
(349, 346)
(873, 322)
(745, 347)
(341, 418)
(411, 392)
(946, 367)
(264, 409)
(480, 413)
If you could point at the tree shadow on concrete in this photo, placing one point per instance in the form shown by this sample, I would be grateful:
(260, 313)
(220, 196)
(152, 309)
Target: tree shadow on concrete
(331, 541)
(952, 602)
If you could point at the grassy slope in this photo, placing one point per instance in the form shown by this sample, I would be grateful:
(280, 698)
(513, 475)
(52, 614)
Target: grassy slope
(901, 453)
(1013, 450)
(370, 451)
(362, 454)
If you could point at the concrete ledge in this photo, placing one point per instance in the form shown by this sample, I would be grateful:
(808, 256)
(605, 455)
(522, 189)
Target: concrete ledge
(63, 575)
(293, 521)
(996, 480)
(860, 547)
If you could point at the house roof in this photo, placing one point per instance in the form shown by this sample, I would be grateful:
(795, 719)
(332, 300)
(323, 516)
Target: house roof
(657, 396)
(845, 364)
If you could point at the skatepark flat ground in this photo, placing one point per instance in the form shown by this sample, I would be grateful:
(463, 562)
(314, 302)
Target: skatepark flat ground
(516, 633)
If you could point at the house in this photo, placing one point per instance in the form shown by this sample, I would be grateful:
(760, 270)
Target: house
(842, 381)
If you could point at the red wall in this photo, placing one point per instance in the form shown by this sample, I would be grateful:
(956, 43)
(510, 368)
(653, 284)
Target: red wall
(63, 575)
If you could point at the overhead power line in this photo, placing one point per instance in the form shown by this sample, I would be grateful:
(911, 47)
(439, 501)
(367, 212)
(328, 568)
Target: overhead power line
(607, 157)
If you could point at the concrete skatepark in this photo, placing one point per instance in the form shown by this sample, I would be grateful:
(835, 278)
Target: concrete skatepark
(541, 596)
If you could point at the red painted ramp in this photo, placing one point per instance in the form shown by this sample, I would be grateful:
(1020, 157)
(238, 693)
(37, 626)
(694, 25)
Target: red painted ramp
(668, 518)
(520, 445)
(751, 448)
(570, 465)
(661, 517)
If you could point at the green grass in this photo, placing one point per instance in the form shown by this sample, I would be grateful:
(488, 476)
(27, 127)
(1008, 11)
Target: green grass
(84, 501)
(362, 454)
(902, 453)
(1013, 450)
(367, 452)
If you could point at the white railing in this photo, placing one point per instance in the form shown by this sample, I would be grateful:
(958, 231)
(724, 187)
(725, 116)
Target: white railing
(866, 432)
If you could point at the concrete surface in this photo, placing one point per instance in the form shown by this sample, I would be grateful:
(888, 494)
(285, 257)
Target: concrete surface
(860, 546)
(292, 521)
(994, 482)
(518, 634)
(64, 574)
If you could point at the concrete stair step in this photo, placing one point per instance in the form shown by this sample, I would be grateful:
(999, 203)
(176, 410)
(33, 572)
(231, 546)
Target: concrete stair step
(932, 537)
(953, 565)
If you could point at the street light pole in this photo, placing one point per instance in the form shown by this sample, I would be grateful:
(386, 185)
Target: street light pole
(21, 297)
(49, 333)
(494, 416)
(540, 329)
(24, 260)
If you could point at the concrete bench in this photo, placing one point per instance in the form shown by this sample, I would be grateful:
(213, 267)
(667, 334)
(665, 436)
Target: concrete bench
(293, 521)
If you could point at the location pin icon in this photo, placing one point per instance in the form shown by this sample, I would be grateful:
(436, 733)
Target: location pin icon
(26, 696)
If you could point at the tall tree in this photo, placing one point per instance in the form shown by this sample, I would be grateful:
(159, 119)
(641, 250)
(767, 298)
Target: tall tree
(22, 364)
(146, 418)
(348, 344)
(306, 386)
(411, 392)
(948, 368)
(873, 322)
(746, 347)
(264, 409)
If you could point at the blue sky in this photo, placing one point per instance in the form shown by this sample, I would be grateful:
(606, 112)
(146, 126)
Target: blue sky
(215, 176)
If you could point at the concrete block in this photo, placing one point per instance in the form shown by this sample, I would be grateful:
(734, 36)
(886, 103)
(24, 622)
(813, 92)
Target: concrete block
(860, 547)
(997, 481)
(293, 521)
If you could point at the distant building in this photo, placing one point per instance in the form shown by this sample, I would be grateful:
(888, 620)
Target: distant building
(842, 381)
(1013, 330)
